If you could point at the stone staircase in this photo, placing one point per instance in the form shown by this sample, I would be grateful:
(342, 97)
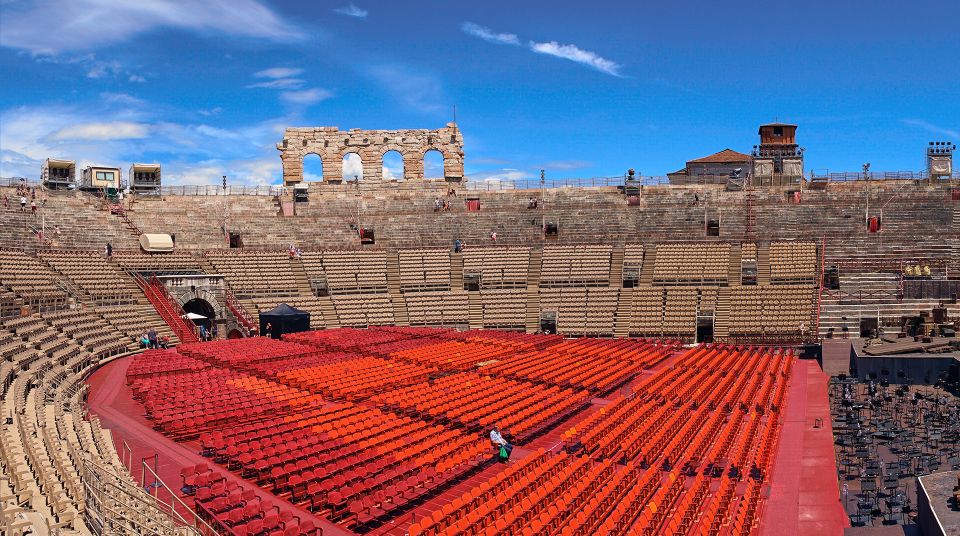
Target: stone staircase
(533, 291)
(649, 258)
(329, 312)
(456, 271)
(616, 266)
(303, 282)
(621, 320)
(475, 313)
(400, 316)
(763, 263)
(735, 272)
(721, 314)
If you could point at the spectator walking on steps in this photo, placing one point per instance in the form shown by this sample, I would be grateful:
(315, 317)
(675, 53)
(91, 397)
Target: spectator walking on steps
(108, 249)
(23, 203)
(493, 236)
(505, 448)
(33, 206)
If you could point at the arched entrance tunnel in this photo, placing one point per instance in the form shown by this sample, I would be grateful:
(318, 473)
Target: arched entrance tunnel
(202, 307)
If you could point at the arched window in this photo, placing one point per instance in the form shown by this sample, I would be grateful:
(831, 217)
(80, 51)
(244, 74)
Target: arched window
(392, 166)
(433, 165)
(352, 167)
(312, 168)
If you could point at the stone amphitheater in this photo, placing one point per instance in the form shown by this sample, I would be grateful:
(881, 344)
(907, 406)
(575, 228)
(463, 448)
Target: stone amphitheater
(688, 275)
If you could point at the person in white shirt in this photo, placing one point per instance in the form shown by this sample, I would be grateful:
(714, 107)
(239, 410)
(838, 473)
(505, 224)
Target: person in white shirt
(497, 439)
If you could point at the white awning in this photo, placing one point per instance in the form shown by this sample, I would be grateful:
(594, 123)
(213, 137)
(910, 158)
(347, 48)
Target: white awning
(194, 316)
(156, 243)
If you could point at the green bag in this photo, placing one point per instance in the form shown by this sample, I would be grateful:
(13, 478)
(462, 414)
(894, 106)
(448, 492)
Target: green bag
(503, 453)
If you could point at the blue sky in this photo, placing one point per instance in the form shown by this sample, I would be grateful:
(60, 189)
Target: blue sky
(581, 89)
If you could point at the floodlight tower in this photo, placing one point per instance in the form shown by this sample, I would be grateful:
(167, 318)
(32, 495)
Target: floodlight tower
(940, 159)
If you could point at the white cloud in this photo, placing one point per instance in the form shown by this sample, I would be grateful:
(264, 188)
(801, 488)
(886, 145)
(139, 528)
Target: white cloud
(352, 166)
(110, 133)
(280, 83)
(102, 131)
(216, 110)
(278, 72)
(120, 98)
(578, 55)
(101, 69)
(90, 24)
(489, 35)
(352, 11)
(305, 97)
(930, 127)
(136, 78)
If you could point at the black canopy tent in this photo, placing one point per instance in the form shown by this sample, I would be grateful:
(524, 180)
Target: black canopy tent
(283, 319)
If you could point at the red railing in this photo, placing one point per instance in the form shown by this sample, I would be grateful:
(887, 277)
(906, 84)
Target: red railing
(238, 311)
(168, 308)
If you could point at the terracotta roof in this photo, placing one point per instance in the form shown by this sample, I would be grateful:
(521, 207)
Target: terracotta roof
(775, 125)
(724, 156)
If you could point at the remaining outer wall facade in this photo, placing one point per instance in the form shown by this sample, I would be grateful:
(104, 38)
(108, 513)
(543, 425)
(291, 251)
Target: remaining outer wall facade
(331, 144)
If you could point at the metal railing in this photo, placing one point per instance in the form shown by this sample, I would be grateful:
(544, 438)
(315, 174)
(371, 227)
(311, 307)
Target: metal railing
(850, 176)
(238, 311)
(231, 189)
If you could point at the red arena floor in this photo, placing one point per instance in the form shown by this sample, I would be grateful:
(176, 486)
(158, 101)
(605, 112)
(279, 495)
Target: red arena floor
(385, 431)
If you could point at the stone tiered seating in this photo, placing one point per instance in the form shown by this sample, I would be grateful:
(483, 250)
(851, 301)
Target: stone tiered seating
(135, 320)
(256, 274)
(363, 309)
(691, 263)
(504, 308)
(157, 262)
(581, 311)
(102, 280)
(91, 330)
(793, 262)
(498, 267)
(575, 266)
(437, 308)
(772, 310)
(424, 269)
(28, 279)
(348, 271)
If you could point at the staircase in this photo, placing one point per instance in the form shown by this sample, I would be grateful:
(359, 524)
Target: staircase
(168, 309)
(329, 311)
(400, 316)
(533, 291)
(303, 282)
(621, 321)
(955, 268)
(649, 258)
(735, 271)
(763, 263)
(475, 316)
(721, 314)
(456, 271)
(616, 266)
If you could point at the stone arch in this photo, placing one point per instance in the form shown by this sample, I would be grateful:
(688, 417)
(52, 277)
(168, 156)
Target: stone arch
(389, 172)
(309, 164)
(452, 161)
(351, 169)
(434, 170)
(203, 308)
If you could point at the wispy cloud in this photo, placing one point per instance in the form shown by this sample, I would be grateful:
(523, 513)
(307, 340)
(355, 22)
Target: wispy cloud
(930, 127)
(120, 98)
(567, 164)
(85, 22)
(410, 88)
(102, 131)
(278, 72)
(305, 97)
(578, 55)
(280, 83)
(136, 78)
(489, 35)
(112, 134)
(352, 11)
(550, 48)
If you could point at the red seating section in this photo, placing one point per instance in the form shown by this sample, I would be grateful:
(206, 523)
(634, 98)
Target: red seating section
(361, 426)
(688, 453)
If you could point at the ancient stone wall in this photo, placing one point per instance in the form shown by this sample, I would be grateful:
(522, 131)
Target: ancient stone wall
(332, 144)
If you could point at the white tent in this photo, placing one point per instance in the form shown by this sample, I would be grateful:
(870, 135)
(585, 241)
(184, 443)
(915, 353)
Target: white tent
(194, 316)
(156, 243)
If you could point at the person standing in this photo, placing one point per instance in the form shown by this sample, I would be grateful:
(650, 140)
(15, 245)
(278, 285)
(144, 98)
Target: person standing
(23, 203)
(152, 338)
